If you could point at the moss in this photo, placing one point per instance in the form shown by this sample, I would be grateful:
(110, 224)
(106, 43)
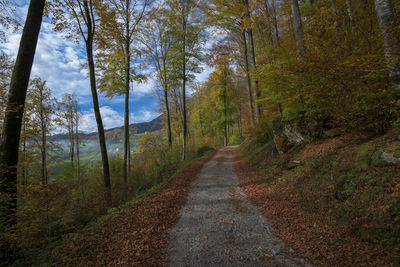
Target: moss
(377, 160)
(333, 132)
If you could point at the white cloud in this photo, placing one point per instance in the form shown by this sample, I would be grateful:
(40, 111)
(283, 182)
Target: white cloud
(110, 117)
(143, 116)
(57, 60)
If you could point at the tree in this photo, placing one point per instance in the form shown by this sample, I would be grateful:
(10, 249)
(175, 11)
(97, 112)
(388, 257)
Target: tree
(186, 31)
(68, 110)
(41, 110)
(8, 17)
(5, 76)
(118, 30)
(83, 13)
(158, 44)
(249, 31)
(9, 143)
(298, 29)
(391, 43)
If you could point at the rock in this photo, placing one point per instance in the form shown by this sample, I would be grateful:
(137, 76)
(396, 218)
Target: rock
(293, 164)
(390, 158)
(293, 135)
(333, 132)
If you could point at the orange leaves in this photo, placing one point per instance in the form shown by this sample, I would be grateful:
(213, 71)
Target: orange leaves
(138, 235)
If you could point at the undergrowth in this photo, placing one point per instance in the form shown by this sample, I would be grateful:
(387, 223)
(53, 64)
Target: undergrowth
(343, 177)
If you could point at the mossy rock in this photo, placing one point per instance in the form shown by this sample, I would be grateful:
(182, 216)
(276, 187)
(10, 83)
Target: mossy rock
(293, 164)
(362, 165)
(377, 160)
(333, 132)
(363, 158)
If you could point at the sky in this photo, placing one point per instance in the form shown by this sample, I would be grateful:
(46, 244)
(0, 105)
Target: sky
(59, 61)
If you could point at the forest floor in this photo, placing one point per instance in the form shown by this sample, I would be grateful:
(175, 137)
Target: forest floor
(133, 235)
(332, 202)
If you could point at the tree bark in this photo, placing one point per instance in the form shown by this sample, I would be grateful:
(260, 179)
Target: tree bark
(253, 59)
(254, 67)
(100, 127)
(350, 13)
(246, 65)
(78, 171)
(9, 143)
(126, 115)
(391, 42)
(184, 89)
(298, 29)
(44, 131)
(225, 123)
(167, 103)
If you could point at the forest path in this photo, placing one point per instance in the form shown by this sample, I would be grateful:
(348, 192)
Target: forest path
(218, 226)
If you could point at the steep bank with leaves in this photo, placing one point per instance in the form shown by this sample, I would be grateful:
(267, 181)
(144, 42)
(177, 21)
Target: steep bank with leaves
(334, 201)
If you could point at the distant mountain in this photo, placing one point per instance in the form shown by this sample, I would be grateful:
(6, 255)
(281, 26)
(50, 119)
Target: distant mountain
(116, 134)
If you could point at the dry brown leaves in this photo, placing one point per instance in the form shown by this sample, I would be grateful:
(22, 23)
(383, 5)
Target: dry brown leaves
(138, 235)
(313, 237)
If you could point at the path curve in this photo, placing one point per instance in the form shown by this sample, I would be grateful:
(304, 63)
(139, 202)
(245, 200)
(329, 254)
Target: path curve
(218, 226)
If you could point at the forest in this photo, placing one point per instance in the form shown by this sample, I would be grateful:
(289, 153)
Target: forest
(306, 93)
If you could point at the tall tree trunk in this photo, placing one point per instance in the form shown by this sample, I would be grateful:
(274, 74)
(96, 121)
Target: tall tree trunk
(254, 70)
(71, 138)
(350, 13)
(44, 167)
(391, 42)
(168, 117)
(11, 132)
(246, 65)
(167, 105)
(184, 89)
(253, 59)
(44, 130)
(225, 123)
(100, 127)
(298, 29)
(126, 115)
(77, 145)
(24, 155)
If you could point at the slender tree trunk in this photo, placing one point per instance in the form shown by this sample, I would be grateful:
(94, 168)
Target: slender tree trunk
(167, 105)
(126, 115)
(350, 13)
(391, 42)
(246, 65)
(184, 89)
(92, 74)
(254, 67)
(44, 130)
(71, 137)
(298, 29)
(44, 167)
(24, 155)
(9, 144)
(225, 124)
(100, 127)
(77, 145)
(253, 60)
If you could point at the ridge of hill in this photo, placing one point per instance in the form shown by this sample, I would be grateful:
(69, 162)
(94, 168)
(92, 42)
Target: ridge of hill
(116, 133)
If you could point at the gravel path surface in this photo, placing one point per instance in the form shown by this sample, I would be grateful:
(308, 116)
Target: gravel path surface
(218, 226)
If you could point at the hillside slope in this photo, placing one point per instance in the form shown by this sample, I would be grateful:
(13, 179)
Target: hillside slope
(116, 134)
(334, 201)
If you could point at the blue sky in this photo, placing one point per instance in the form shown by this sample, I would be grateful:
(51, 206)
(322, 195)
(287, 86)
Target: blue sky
(58, 60)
